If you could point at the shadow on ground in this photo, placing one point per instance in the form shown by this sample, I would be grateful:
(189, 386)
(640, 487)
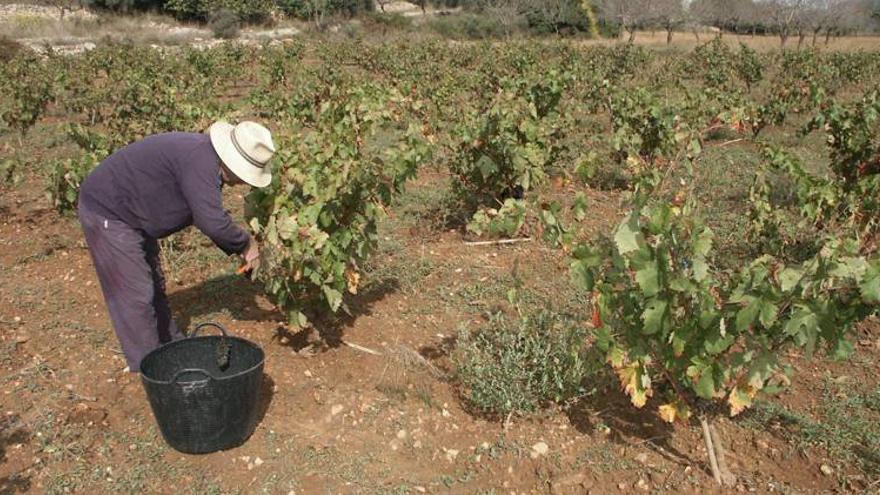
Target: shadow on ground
(328, 329)
(12, 432)
(611, 408)
(228, 293)
(267, 392)
(237, 296)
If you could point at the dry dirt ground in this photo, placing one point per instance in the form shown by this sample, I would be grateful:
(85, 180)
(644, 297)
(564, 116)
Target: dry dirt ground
(338, 420)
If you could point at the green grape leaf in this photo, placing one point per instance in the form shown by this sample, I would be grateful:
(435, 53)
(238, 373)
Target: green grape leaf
(654, 316)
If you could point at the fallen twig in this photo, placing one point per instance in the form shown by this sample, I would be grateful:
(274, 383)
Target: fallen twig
(730, 142)
(361, 348)
(500, 241)
(76, 396)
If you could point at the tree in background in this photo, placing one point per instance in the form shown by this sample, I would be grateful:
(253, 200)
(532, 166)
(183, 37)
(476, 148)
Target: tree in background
(784, 16)
(124, 5)
(729, 15)
(247, 11)
(668, 14)
(63, 6)
(592, 19)
(557, 15)
(627, 14)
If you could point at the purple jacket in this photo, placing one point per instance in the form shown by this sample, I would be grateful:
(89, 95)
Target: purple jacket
(162, 184)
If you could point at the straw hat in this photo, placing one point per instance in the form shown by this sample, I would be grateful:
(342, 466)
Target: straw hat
(246, 149)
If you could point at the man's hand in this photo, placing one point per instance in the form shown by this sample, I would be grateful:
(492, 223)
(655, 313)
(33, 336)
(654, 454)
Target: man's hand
(251, 256)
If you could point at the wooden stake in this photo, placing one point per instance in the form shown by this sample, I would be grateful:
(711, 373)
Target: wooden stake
(727, 477)
(710, 448)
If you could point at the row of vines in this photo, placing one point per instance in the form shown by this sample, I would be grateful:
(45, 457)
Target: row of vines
(675, 319)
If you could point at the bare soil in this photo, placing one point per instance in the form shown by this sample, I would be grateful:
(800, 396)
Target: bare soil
(337, 419)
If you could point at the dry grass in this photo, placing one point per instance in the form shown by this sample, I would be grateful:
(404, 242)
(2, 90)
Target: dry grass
(141, 29)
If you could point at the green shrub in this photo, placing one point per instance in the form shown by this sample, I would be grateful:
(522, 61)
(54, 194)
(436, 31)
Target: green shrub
(522, 365)
(253, 11)
(505, 221)
(65, 179)
(123, 5)
(318, 218)
(304, 9)
(387, 22)
(504, 150)
(11, 171)
(27, 85)
(224, 24)
(569, 17)
(469, 26)
(9, 48)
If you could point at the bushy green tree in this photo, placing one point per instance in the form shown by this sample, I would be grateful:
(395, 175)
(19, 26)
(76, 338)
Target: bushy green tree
(247, 11)
(124, 5)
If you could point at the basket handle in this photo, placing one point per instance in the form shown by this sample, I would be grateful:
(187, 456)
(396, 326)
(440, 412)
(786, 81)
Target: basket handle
(191, 370)
(190, 387)
(198, 327)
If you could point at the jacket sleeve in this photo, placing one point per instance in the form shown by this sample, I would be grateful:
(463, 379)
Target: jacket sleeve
(200, 184)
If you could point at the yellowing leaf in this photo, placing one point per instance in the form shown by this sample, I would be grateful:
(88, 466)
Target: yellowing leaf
(353, 278)
(636, 383)
(740, 399)
(673, 411)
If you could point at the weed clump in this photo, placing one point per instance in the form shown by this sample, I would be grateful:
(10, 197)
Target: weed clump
(522, 365)
(225, 24)
(9, 48)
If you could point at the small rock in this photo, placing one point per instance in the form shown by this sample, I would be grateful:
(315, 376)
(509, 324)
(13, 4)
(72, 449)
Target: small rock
(17, 319)
(642, 485)
(445, 413)
(826, 470)
(420, 489)
(21, 339)
(621, 486)
(539, 449)
(336, 409)
(762, 444)
(451, 454)
(307, 373)
(642, 458)
(572, 483)
(258, 462)
(401, 435)
(417, 444)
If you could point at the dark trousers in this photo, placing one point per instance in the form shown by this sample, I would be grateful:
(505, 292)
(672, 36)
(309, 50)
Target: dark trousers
(130, 272)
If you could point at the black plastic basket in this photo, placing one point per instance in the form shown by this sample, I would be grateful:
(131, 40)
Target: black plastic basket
(204, 391)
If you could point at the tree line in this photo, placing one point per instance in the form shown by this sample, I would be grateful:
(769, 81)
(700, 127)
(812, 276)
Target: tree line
(787, 19)
(784, 18)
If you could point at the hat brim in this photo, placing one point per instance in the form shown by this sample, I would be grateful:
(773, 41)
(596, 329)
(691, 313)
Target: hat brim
(221, 139)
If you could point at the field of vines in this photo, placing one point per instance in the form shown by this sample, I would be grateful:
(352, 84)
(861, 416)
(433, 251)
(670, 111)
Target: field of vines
(514, 267)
